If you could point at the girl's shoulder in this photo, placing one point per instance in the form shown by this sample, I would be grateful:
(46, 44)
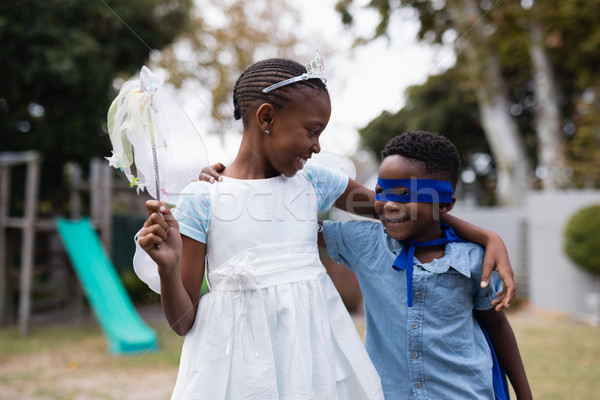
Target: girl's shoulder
(327, 183)
(196, 186)
(196, 192)
(324, 178)
(318, 172)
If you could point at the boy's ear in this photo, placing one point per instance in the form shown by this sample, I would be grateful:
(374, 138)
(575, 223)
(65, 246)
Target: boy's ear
(446, 207)
(264, 116)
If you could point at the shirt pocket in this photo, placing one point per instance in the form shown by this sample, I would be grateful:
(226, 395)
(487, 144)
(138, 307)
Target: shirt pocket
(452, 294)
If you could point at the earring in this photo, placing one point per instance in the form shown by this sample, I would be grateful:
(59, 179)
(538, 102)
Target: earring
(267, 132)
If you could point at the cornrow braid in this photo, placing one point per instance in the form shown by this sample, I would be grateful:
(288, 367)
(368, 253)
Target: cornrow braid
(249, 86)
(439, 154)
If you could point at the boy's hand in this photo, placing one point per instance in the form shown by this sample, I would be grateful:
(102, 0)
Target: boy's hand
(160, 236)
(212, 173)
(496, 258)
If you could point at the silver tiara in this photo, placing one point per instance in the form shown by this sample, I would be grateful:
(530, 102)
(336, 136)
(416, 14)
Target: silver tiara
(314, 69)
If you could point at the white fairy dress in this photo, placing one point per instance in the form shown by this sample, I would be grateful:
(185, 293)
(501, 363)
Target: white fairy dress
(273, 326)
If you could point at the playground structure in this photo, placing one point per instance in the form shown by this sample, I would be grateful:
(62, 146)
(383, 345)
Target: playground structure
(88, 251)
(27, 224)
(125, 330)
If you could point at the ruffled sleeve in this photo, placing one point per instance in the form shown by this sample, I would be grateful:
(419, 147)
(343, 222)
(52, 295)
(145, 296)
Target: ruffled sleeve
(328, 184)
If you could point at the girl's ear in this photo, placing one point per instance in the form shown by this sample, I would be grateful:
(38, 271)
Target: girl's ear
(446, 207)
(264, 116)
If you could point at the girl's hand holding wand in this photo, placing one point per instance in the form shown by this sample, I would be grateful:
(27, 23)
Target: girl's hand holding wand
(160, 236)
(180, 282)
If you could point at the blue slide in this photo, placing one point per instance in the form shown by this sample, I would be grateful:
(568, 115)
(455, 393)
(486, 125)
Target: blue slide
(125, 331)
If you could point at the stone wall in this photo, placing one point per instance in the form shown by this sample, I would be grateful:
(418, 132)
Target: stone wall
(556, 282)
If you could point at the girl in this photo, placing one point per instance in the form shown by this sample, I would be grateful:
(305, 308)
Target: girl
(273, 325)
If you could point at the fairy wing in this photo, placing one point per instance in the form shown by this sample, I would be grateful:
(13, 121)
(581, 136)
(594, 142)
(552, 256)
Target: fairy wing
(155, 144)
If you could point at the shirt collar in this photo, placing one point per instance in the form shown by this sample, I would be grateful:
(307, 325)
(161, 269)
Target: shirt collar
(455, 256)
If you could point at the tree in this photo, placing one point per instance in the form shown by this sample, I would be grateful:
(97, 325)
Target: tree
(520, 62)
(572, 45)
(59, 61)
(552, 147)
(491, 91)
(210, 56)
(483, 71)
(441, 105)
(548, 52)
(65, 60)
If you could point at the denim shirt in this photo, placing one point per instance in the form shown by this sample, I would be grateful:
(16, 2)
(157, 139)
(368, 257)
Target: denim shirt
(435, 349)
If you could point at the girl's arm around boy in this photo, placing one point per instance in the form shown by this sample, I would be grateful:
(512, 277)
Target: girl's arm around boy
(359, 200)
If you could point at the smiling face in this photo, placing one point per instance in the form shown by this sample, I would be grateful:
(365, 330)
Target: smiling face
(295, 131)
(413, 221)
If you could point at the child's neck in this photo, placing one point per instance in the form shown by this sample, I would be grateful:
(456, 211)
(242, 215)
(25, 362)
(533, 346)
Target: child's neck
(242, 170)
(426, 254)
(429, 253)
(249, 164)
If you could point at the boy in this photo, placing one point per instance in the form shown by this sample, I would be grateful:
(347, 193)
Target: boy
(421, 311)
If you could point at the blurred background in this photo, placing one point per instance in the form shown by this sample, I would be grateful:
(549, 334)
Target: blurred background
(514, 84)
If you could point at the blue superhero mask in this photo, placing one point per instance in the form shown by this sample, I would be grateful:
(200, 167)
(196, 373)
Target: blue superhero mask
(419, 191)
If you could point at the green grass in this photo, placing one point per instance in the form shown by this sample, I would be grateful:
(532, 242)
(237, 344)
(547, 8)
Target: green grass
(72, 362)
(562, 359)
(90, 340)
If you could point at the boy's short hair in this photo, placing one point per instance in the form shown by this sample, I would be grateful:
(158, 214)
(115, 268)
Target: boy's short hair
(439, 154)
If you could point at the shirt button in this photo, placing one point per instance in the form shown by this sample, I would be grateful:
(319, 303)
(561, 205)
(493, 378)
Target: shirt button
(418, 294)
(418, 385)
(414, 355)
(415, 325)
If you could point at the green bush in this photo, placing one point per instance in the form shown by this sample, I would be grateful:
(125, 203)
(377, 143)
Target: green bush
(582, 238)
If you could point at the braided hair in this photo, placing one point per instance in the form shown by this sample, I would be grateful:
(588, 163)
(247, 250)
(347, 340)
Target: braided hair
(439, 154)
(249, 86)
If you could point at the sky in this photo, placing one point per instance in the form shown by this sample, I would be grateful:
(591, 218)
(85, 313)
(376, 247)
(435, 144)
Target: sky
(362, 82)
